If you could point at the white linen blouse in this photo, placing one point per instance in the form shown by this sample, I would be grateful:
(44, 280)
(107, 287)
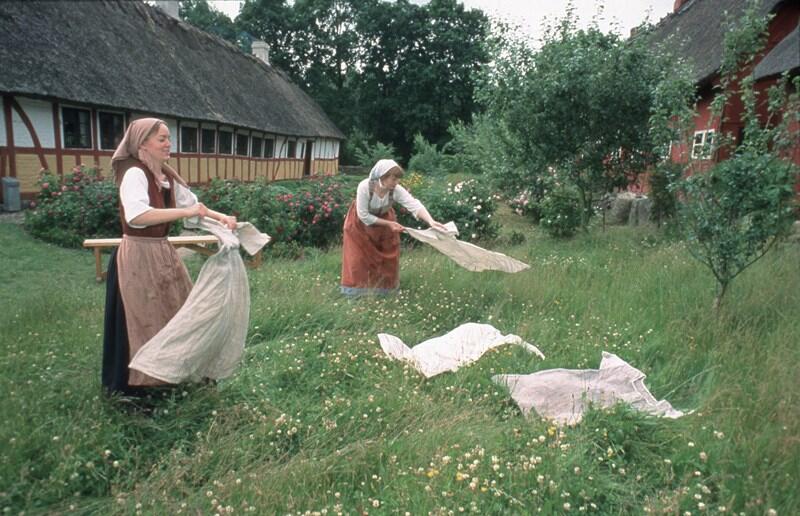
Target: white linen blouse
(364, 205)
(135, 199)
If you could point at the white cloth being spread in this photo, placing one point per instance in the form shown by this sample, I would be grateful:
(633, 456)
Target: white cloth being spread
(206, 337)
(563, 395)
(467, 255)
(459, 347)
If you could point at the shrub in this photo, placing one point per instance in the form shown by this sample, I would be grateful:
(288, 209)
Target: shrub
(428, 159)
(561, 212)
(79, 205)
(467, 203)
(662, 190)
(306, 213)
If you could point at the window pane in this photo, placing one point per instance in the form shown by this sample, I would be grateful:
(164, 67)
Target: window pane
(208, 145)
(241, 144)
(225, 142)
(188, 139)
(292, 149)
(269, 147)
(77, 128)
(255, 150)
(112, 128)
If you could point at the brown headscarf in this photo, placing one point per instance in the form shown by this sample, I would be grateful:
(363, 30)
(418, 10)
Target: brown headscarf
(129, 151)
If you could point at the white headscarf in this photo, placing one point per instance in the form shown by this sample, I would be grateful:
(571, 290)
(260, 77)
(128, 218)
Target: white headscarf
(382, 167)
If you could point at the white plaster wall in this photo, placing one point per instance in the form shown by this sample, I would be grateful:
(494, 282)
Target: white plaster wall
(40, 113)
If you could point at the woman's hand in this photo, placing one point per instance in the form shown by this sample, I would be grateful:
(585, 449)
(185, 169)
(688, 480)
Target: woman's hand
(437, 225)
(395, 226)
(197, 210)
(229, 221)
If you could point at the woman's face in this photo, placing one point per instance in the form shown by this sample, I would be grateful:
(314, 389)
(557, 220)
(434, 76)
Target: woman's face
(158, 144)
(390, 180)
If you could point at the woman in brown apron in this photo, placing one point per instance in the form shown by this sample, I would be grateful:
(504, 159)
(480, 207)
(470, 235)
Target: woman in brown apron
(371, 248)
(147, 282)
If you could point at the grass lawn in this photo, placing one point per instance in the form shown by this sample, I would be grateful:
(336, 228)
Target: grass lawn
(317, 419)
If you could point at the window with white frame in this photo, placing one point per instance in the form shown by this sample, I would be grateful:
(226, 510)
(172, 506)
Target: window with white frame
(291, 147)
(225, 142)
(188, 138)
(269, 147)
(241, 144)
(702, 144)
(255, 146)
(208, 141)
(112, 129)
(77, 128)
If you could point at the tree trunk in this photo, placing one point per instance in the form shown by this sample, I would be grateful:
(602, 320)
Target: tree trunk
(721, 289)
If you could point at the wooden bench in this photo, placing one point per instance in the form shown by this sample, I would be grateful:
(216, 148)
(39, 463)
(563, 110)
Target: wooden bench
(197, 243)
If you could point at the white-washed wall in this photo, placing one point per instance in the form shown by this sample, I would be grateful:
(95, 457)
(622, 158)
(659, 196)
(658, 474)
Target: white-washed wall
(40, 113)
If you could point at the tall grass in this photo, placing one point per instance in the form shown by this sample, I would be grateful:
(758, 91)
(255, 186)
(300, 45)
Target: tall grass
(318, 419)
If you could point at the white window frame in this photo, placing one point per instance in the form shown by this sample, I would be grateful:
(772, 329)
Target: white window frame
(702, 149)
(191, 125)
(64, 133)
(100, 127)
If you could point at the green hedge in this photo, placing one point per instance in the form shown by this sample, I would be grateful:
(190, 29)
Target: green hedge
(81, 204)
(297, 214)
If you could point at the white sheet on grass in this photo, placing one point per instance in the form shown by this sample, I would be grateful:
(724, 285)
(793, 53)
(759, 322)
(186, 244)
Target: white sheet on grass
(459, 347)
(563, 395)
(206, 337)
(467, 255)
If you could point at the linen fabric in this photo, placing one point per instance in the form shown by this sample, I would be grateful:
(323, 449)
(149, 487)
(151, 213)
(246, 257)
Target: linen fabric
(564, 395)
(467, 255)
(133, 195)
(206, 337)
(457, 348)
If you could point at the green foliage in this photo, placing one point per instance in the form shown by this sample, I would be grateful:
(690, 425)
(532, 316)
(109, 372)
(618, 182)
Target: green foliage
(80, 205)
(200, 14)
(560, 211)
(468, 203)
(662, 181)
(389, 69)
(368, 155)
(305, 213)
(734, 213)
(429, 160)
(580, 105)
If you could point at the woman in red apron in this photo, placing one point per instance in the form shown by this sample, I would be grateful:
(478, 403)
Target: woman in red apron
(371, 248)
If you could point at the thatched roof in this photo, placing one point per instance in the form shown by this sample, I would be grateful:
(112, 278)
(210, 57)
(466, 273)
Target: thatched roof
(129, 55)
(698, 32)
(785, 56)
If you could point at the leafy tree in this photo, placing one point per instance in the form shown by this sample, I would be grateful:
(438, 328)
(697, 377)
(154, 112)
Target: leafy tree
(734, 213)
(273, 22)
(579, 106)
(200, 14)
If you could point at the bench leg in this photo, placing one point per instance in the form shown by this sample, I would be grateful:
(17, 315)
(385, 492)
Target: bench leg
(100, 274)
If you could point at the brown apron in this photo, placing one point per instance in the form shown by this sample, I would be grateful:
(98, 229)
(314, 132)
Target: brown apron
(153, 281)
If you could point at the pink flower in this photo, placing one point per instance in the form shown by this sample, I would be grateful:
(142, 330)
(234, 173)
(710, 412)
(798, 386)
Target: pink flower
(33, 204)
(63, 188)
(310, 207)
(45, 185)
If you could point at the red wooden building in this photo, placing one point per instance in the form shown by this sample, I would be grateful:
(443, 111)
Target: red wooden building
(696, 28)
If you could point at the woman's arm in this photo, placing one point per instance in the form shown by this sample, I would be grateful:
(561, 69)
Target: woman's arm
(160, 215)
(423, 214)
(229, 221)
